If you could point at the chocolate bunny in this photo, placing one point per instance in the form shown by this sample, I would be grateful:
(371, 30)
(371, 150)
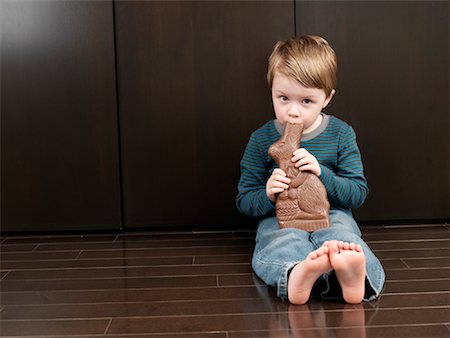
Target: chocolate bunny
(304, 205)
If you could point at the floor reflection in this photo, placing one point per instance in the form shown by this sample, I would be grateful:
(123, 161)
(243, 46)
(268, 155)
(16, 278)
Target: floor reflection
(319, 320)
(315, 319)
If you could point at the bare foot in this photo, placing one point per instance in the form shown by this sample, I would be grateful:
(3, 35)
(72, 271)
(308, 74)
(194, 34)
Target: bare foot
(349, 263)
(304, 275)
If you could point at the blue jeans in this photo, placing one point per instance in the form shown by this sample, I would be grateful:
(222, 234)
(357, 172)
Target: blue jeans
(277, 251)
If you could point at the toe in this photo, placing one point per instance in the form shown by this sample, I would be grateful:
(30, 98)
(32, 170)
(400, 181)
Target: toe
(312, 255)
(333, 247)
(322, 251)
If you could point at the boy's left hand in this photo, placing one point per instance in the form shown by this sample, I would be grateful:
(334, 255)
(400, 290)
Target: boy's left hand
(306, 161)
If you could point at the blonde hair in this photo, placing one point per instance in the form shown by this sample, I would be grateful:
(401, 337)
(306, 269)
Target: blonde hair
(308, 59)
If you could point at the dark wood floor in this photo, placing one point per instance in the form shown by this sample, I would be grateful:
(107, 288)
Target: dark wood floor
(200, 284)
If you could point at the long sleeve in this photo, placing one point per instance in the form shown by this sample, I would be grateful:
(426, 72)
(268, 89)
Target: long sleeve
(346, 185)
(252, 199)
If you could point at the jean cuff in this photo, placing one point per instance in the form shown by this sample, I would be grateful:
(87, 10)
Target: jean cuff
(282, 285)
(373, 290)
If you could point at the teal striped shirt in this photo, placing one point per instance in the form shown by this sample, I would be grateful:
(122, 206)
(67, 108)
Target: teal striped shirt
(335, 149)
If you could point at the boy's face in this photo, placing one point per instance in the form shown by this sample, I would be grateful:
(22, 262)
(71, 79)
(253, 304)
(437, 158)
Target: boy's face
(292, 102)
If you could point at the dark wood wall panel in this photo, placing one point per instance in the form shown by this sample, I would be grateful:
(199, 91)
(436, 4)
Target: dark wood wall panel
(59, 151)
(191, 90)
(393, 88)
(191, 82)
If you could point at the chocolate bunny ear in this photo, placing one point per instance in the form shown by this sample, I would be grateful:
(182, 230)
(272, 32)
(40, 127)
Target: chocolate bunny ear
(293, 134)
(281, 151)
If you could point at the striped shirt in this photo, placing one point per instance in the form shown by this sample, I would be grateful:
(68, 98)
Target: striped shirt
(335, 149)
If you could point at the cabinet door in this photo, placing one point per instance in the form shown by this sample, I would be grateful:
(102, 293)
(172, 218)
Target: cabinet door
(59, 151)
(192, 88)
(393, 88)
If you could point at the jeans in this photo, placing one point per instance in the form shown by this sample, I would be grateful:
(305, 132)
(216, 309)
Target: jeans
(277, 251)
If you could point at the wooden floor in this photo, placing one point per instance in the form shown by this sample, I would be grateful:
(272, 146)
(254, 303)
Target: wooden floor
(200, 284)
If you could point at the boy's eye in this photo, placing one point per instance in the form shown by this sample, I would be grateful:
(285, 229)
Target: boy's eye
(307, 101)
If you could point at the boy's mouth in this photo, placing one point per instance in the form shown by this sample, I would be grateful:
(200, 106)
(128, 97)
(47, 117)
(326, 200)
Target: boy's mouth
(296, 120)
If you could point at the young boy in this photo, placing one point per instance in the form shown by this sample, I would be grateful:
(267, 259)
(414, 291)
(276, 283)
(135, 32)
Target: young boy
(334, 262)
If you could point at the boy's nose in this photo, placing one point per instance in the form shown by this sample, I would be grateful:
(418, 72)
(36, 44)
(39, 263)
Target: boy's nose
(294, 113)
(295, 116)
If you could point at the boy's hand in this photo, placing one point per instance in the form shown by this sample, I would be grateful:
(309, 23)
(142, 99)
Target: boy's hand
(278, 182)
(306, 161)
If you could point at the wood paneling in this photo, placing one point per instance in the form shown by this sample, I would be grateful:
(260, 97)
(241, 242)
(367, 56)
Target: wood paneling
(191, 90)
(59, 151)
(393, 88)
(191, 81)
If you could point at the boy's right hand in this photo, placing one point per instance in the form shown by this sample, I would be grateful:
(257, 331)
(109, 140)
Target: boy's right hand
(278, 182)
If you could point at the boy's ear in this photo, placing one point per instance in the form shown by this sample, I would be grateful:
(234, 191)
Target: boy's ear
(328, 99)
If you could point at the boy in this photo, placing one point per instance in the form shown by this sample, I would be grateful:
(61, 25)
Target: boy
(333, 262)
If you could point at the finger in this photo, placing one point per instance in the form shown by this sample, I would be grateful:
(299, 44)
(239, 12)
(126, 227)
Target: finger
(298, 154)
(283, 179)
(296, 158)
(276, 184)
(309, 167)
(274, 191)
(306, 167)
(279, 172)
(300, 151)
(302, 162)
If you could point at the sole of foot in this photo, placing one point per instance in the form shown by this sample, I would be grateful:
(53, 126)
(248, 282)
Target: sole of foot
(349, 263)
(304, 275)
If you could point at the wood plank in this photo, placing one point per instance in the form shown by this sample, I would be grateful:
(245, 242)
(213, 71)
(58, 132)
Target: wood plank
(96, 263)
(132, 272)
(425, 331)
(191, 307)
(111, 283)
(59, 239)
(138, 244)
(59, 328)
(161, 252)
(136, 295)
(264, 321)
